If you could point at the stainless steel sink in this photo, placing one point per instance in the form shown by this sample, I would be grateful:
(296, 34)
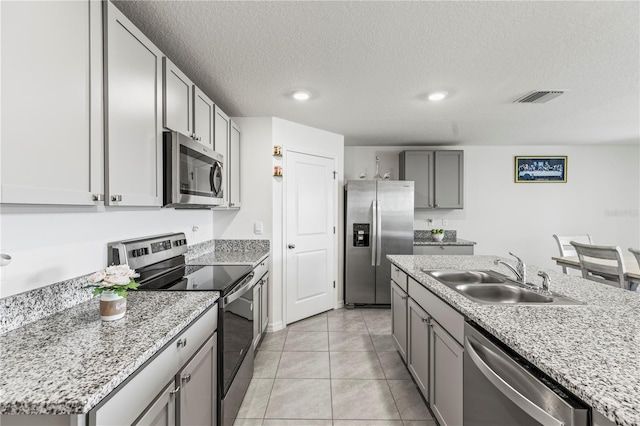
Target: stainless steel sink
(493, 288)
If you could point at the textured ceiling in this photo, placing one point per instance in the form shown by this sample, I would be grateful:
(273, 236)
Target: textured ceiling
(369, 66)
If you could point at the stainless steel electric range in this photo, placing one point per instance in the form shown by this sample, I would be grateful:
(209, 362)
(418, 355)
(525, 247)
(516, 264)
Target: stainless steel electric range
(161, 264)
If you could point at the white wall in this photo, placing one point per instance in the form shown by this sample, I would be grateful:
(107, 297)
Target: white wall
(262, 197)
(51, 244)
(601, 197)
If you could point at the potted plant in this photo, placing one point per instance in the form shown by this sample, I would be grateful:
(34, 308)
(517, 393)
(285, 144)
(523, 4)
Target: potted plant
(112, 284)
(437, 234)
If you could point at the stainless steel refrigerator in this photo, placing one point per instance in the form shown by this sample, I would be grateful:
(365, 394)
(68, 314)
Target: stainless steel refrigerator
(378, 222)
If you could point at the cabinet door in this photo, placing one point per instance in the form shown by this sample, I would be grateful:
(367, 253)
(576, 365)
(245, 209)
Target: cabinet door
(418, 167)
(448, 179)
(257, 297)
(222, 132)
(445, 378)
(178, 101)
(198, 387)
(133, 95)
(399, 319)
(203, 112)
(162, 411)
(52, 142)
(418, 328)
(264, 303)
(233, 166)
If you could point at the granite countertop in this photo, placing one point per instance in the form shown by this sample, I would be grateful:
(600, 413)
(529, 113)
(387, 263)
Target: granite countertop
(593, 350)
(67, 362)
(230, 257)
(445, 242)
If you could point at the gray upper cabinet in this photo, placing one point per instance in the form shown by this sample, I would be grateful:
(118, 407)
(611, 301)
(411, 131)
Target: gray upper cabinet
(133, 119)
(233, 166)
(186, 108)
(203, 113)
(438, 177)
(178, 99)
(52, 142)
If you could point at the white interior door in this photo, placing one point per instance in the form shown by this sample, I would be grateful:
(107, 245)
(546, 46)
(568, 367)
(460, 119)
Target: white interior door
(309, 242)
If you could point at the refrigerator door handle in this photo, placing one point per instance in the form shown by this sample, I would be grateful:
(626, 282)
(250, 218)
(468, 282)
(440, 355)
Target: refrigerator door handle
(374, 236)
(378, 233)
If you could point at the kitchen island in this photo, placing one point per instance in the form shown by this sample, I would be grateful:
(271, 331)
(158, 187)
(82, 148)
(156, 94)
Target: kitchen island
(592, 349)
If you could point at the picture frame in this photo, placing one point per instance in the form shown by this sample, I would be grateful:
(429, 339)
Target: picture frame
(549, 169)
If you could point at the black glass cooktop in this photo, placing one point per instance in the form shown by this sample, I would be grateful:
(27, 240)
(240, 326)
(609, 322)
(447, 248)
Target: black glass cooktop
(220, 278)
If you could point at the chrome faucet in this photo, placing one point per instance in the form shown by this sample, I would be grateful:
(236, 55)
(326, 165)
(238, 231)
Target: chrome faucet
(520, 271)
(545, 282)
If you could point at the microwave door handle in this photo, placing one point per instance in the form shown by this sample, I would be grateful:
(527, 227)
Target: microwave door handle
(538, 413)
(216, 170)
(247, 284)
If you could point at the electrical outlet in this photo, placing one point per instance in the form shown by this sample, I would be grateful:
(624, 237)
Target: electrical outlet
(445, 222)
(429, 222)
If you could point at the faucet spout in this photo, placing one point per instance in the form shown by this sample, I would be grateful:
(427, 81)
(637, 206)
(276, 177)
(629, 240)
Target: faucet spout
(511, 268)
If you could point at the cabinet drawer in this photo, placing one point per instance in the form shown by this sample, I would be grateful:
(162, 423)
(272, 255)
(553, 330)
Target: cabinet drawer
(399, 277)
(131, 398)
(445, 315)
(261, 268)
(443, 249)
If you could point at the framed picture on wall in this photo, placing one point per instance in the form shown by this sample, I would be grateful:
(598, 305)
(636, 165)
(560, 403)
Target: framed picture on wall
(541, 169)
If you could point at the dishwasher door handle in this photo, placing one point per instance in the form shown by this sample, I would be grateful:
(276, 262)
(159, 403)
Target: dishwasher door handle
(538, 413)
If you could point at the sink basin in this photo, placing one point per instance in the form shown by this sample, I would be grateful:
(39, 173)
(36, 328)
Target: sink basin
(502, 293)
(465, 277)
(493, 288)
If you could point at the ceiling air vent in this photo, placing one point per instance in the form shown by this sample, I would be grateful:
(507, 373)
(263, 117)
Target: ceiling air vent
(538, 96)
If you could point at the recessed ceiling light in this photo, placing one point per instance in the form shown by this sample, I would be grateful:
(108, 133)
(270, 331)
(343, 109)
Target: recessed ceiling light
(437, 96)
(301, 96)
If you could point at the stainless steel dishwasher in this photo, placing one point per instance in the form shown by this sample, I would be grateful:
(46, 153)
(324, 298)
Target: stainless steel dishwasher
(503, 389)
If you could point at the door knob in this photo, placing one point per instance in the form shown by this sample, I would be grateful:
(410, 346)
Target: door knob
(291, 246)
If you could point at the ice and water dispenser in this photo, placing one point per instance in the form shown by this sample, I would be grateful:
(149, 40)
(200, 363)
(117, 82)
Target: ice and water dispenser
(361, 235)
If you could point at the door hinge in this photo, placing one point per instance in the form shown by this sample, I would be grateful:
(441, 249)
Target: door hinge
(334, 229)
(334, 175)
(334, 284)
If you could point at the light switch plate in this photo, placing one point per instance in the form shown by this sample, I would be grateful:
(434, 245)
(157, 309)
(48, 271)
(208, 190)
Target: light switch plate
(258, 228)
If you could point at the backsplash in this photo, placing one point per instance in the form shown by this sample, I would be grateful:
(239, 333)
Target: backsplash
(425, 234)
(30, 306)
(24, 308)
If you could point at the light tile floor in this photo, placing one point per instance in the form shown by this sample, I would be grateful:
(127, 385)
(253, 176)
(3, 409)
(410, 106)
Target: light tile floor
(339, 368)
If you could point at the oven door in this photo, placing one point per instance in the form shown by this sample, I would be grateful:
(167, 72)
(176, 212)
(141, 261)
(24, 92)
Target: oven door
(237, 320)
(193, 172)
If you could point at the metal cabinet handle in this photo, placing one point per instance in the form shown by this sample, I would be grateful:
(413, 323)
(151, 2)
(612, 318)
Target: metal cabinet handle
(435, 205)
(175, 391)
(424, 319)
(430, 205)
(181, 343)
(291, 246)
(186, 378)
(441, 247)
(98, 197)
(116, 198)
(403, 297)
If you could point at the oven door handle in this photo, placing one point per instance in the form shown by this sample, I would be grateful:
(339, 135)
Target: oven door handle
(247, 284)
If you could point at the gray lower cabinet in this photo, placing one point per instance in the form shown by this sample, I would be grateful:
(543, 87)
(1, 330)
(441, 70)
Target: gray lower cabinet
(446, 372)
(438, 177)
(177, 386)
(133, 116)
(51, 103)
(418, 328)
(197, 382)
(443, 250)
(260, 302)
(162, 412)
(399, 318)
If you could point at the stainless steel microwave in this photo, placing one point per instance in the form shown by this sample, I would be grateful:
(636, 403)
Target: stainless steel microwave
(192, 173)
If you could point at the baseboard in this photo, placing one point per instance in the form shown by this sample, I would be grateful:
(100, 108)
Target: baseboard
(340, 304)
(275, 326)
